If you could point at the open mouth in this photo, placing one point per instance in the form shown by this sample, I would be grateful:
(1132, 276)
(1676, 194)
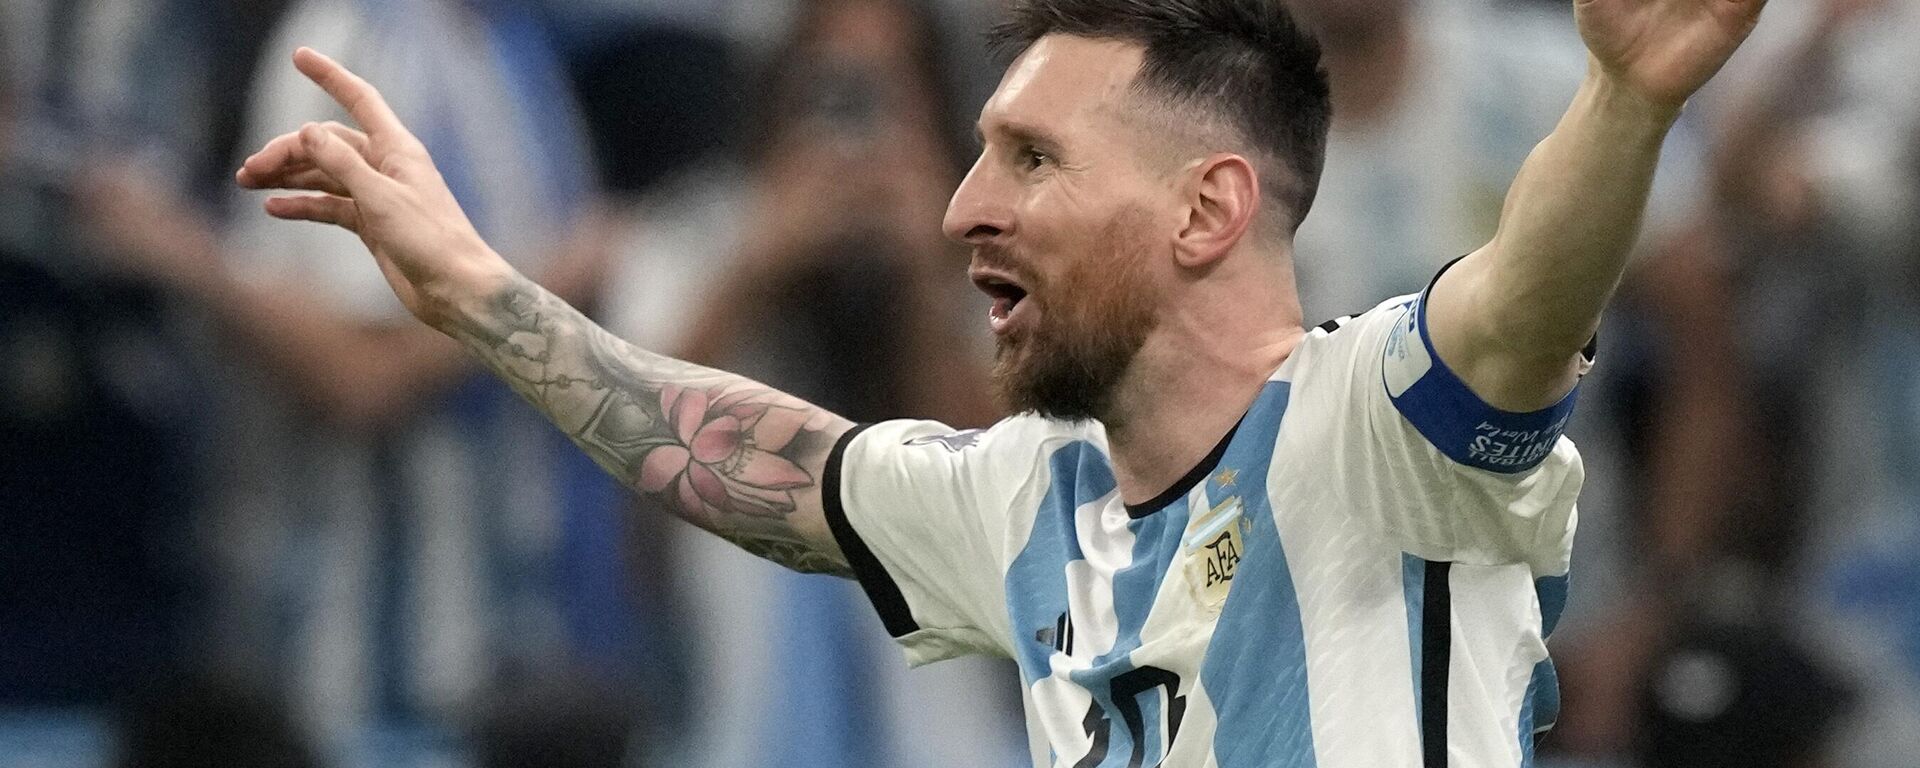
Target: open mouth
(1007, 296)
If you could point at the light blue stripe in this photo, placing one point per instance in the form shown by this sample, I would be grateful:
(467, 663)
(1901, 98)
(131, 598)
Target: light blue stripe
(1552, 591)
(1538, 709)
(1037, 579)
(1256, 666)
(1541, 706)
(1413, 587)
(1156, 542)
(1037, 594)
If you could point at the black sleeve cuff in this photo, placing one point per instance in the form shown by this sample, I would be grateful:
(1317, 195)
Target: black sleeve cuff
(873, 577)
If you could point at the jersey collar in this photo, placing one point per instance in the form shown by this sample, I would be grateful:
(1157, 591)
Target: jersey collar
(1187, 481)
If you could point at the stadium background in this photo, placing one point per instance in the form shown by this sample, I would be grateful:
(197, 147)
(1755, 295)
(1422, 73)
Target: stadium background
(247, 517)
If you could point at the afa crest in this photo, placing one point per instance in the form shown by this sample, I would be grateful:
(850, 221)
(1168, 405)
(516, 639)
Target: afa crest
(1213, 547)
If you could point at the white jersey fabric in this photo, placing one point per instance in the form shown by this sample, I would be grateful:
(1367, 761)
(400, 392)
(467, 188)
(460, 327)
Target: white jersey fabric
(1362, 574)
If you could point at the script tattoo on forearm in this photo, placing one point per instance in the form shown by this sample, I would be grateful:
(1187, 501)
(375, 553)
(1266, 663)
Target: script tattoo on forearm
(720, 451)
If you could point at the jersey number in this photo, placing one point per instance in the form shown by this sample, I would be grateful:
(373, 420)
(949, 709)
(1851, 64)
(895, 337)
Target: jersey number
(1125, 690)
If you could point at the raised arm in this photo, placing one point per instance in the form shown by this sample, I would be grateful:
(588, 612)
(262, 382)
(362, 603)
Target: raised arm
(722, 452)
(1512, 317)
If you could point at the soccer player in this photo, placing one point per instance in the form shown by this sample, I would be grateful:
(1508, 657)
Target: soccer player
(1212, 536)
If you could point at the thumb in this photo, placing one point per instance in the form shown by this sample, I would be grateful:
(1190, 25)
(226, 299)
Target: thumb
(338, 159)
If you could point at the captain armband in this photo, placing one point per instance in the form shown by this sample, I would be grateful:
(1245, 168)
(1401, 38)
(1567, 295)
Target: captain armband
(1454, 419)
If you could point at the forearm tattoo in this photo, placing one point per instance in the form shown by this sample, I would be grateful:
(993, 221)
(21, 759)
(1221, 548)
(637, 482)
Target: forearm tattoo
(720, 451)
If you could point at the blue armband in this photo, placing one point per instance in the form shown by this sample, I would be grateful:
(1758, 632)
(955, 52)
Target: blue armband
(1452, 417)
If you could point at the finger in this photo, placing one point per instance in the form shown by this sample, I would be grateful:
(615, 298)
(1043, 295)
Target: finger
(313, 180)
(357, 96)
(285, 164)
(325, 209)
(353, 138)
(263, 168)
(331, 155)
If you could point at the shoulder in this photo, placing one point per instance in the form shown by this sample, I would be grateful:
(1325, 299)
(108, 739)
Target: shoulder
(1389, 311)
(1331, 346)
(1012, 440)
(982, 469)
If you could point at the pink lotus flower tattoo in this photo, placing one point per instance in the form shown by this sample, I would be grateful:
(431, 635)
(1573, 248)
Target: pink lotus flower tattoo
(727, 456)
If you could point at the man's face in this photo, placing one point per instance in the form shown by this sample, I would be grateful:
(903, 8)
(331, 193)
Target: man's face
(1069, 224)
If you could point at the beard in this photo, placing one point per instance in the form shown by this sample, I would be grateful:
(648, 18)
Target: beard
(1094, 320)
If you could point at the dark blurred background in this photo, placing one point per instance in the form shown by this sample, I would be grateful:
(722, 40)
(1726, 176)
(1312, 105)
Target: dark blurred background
(250, 515)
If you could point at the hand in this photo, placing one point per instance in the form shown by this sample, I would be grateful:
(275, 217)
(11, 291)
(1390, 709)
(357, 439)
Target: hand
(1664, 50)
(382, 186)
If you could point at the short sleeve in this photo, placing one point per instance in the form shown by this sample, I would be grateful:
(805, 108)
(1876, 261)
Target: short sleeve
(922, 512)
(1434, 468)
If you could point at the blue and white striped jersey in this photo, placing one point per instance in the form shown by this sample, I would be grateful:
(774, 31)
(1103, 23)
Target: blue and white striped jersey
(1362, 574)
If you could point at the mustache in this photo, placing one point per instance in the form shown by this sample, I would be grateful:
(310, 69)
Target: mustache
(1002, 258)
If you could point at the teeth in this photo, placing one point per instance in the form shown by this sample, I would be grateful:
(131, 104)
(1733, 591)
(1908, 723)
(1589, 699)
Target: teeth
(1000, 313)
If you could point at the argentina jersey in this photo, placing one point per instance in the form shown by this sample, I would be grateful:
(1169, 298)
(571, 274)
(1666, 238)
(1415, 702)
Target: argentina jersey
(1362, 573)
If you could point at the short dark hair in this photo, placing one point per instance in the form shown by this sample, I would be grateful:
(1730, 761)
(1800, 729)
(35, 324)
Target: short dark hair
(1245, 61)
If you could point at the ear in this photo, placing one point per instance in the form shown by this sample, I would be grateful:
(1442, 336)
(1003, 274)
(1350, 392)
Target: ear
(1222, 195)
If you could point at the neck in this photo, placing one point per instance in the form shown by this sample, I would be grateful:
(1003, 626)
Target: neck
(1369, 72)
(1199, 372)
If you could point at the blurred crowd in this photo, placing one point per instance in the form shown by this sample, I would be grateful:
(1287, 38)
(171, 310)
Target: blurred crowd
(252, 516)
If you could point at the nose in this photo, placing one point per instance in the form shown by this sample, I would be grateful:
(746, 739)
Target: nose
(981, 209)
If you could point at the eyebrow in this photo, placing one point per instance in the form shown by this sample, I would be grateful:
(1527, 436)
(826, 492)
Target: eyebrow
(1024, 133)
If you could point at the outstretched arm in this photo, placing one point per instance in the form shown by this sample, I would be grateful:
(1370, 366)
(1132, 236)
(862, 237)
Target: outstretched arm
(1512, 317)
(725, 453)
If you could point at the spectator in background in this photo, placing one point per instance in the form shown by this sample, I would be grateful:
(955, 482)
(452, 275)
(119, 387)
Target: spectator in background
(656, 82)
(1435, 108)
(853, 152)
(171, 85)
(390, 570)
(825, 248)
(1744, 440)
(1862, 145)
(96, 414)
(98, 401)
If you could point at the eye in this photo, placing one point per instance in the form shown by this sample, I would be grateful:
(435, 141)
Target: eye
(1032, 158)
